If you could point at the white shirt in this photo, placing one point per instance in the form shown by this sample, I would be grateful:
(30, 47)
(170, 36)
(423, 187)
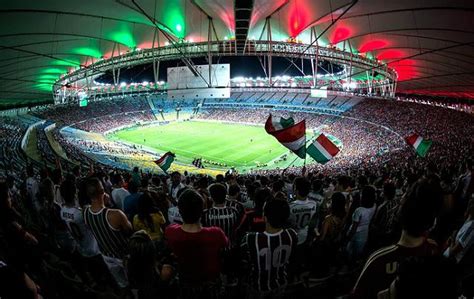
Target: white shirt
(301, 213)
(174, 217)
(465, 238)
(74, 219)
(118, 196)
(363, 216)
(174, 190)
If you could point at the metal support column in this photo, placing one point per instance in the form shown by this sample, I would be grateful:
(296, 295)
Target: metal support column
(156, 62)
(270, 51)
(209, 56)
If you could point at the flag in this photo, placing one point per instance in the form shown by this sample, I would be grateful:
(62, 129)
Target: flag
(322, 149)
(165, 161)
(420, 144)
(289, 134)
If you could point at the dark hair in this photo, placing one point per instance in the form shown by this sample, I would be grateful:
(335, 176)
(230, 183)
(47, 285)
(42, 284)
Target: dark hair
(234, 189)
(344, 181)
(389, 190)
(368, 195)
(317, 185)
(277, 212)
(142, 259)
(133, 187)
(420, 208)
(302, 186)
(68, 191)
(218, 192)
(116, 178)
(190, 205)
(338, 205)
(261, 196)
(278, 185)
(94, 187)
(144, 210)
(219, 178)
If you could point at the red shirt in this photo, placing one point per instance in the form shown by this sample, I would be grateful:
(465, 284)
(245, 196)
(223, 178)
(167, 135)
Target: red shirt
(381, 267)
(198, 253)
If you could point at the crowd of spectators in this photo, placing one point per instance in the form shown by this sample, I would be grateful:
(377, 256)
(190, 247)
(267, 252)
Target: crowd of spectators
(103, 232)
(375, 222)
(68, 114)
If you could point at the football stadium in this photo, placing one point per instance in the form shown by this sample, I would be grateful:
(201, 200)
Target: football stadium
(236, 149)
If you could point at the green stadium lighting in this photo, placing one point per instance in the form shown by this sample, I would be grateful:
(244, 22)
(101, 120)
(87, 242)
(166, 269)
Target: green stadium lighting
(179, 27)
(87, 51)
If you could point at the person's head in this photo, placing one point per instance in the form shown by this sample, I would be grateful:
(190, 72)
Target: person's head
(135, 169)
(133, 187)
(145, 204)
(190, 206)
(317, 185)
(362, 181)
(218, 193)
(68, 192)
(202, 182)
(234, 190)
(419, 210)
(338, 205)
(343, 182)
(278, 186)
(176, 178)
(368, 195)
(94, 189)
(219, 178)
(142, 258)
(276, 213)
(262, 195)
(302, 187)
(389, 190)
(117, 179)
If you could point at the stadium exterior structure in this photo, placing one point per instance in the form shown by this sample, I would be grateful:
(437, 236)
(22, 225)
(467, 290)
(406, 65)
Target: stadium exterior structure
(377, 77)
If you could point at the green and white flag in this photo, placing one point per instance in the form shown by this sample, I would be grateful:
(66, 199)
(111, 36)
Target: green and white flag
(322, 149)
(165, 161)
(420, 144)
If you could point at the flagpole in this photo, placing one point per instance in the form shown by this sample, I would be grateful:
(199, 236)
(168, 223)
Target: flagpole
(291, 164)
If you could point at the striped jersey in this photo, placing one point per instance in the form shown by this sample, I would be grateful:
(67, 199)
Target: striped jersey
(268, 256)
(112, 242)
(381, 267)
(236, 205)
(227, 218)
(301, 214)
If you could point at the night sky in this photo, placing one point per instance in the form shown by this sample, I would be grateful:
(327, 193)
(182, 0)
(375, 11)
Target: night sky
(240, 66)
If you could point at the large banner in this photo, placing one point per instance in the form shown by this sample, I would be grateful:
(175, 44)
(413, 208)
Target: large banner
(183, 78)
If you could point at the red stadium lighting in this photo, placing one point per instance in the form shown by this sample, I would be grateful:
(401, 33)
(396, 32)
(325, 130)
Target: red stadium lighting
(372, 45)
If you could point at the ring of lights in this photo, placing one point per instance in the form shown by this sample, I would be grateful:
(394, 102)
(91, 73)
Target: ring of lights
(82, 77)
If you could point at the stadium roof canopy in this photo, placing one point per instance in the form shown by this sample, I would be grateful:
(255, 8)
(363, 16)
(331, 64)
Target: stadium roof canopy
(430, 43)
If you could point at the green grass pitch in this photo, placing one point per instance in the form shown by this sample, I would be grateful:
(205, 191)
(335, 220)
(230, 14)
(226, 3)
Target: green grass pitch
(232, 144)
